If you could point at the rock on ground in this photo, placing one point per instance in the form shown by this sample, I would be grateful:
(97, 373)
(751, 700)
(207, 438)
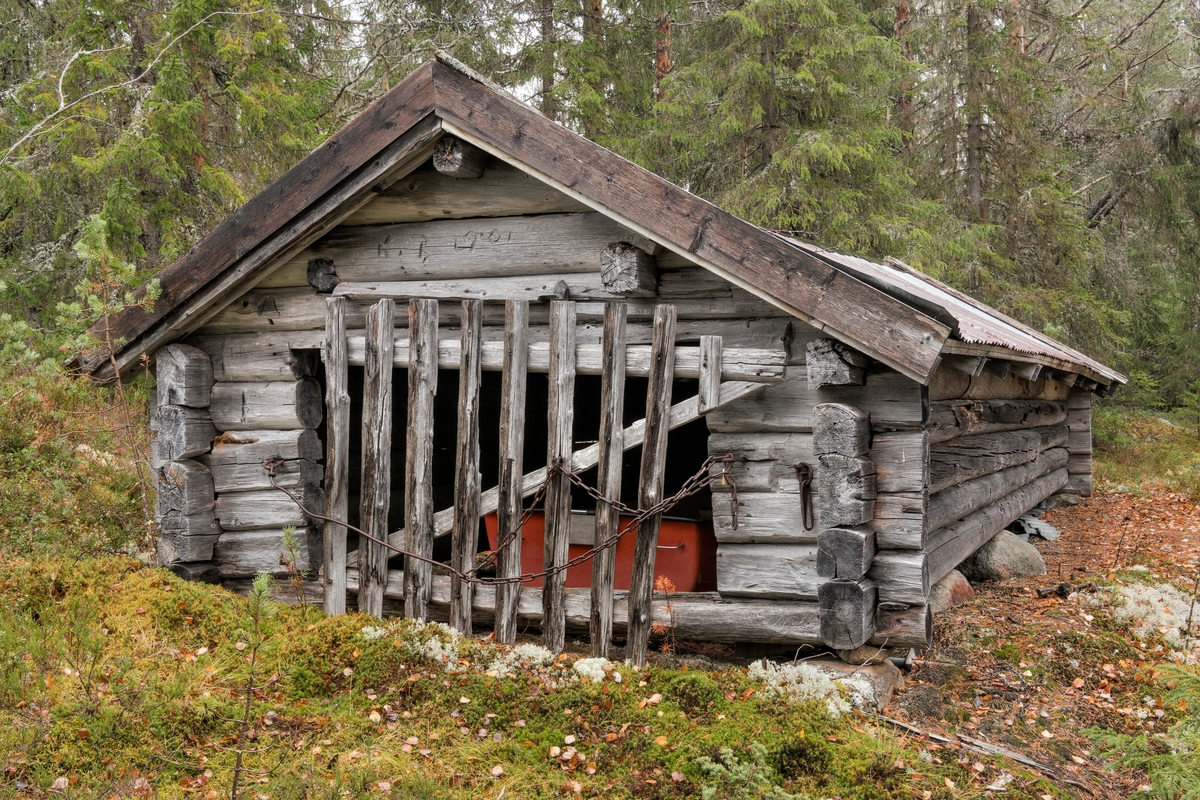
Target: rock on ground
(871, 686)
(952, 590)
(1004, 557)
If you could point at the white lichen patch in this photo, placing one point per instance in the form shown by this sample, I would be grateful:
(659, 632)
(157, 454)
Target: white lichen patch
(804, 682)
(523, 656)
(597, 669)
(1161, 609)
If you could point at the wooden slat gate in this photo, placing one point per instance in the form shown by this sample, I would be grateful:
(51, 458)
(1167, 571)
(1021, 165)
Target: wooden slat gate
(562, 358)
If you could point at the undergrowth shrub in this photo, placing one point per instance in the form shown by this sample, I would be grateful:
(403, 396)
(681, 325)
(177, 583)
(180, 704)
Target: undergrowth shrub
(745, 777)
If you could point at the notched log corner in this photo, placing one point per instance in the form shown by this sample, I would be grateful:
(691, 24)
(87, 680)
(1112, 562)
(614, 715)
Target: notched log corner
(628, 270)
(322, 275)
(831, 363)
(458, 159)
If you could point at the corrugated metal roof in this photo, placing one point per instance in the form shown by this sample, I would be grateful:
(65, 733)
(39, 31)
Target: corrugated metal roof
(972, 321)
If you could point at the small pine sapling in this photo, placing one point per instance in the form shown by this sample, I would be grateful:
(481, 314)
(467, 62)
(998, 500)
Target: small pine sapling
(666, 629)
(290, 559)
(1191, 405)
(261, 608)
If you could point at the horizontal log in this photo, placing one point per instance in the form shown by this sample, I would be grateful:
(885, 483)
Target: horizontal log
(303, 309)
(768, 570)
(901, 575)
(955, 502)
(770, 464)
(845, 553)
(181, 433)
(278, 405)
(696, 616)
(245, 553)
(952, 384)
(293, 475)
(949, 419)
(847, 610)
(1080, 441)
(901, 460)
(458, 159)
(182, 488)
(238, 511)
(534, 288)
(899, 521)
(892, 400)
(175, 547)
(425, 194)
(898, 625)
(949, 546)
(737, 364)
(202, 523)
(762, 517)
(968, 457)
(1079, 483)
(1080, 401)
(255, 447)
(184, 376)
(273, 356)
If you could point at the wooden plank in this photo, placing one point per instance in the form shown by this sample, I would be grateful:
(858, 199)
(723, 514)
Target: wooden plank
(512, 448)
(952, 384)
(955, 347)
(696, 616)
(757, 260)
(893, 401)
(268, 356)
(847, 612)
(737, 364)
(469, 249)
(899, 521)
(651, 483)
(277, 405)
(968, 457)
(950, 546)
(710, 373)
(628, 271)
(465, 540)
(184, 376)
(958, 501)
(337, 443)
(239, 554)
(902, 576)
(426, 194)
(252, 448)
(611, 447)
(254, 477)
(182, 432)
(532, 288)
(270, 508)
(375, 499)
(949, 419)
(762, 517)
(831, 363)
(560, 427)
(418, 469)
(458, 159)
(901, 461)
(770, 464)
(382, 143)
(784, 571)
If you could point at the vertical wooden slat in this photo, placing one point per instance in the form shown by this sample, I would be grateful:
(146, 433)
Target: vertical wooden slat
(608, 479)
(651, 482)
(418, 467)
(337, 454)
(465, 537)
(512, 446)
(377, 454)
(560, 421)
(710, 374)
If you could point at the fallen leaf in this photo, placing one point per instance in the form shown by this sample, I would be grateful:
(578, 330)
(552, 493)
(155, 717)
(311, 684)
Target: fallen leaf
(497, 771)
(61, 782)
(240, 646)
(375, 717)
(661, 741)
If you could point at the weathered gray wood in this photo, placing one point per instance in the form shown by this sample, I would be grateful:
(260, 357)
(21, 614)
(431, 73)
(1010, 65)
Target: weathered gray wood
(184, 376)
(182, 488)
(831, 363)
(998, 367)
(893, 401)
(762, 517)
(954, 384)
(1026, 370)
(628, 270)
(530, 288)
(182, 432)
(560, 426)
(337, 443)
(901, 460)
(465, 539)
(1079, 422)
(252, 448)
(651, 484)
(271, 508)
(840, 429)
(199, 571)
(512, 447)
(901, 575)
(710, 373)
(899, 521)
(968, 365)
(737, 364)
(174, 548)
(375, 499)
(240, 554)
(847, 613)
(611, 447)
(845, 553)
(418, 469)
(845, 492)
(321, 274)
(900, 625)
(470, 249)
(254, 477)
(425, 194)
(771, 460)
(458, 159)
(768, 570)
(202, 523)
(950, 546)
(269, 356)
(955, 502)
(698, 616)
(967, 457)
(949, 419)
(277, 405)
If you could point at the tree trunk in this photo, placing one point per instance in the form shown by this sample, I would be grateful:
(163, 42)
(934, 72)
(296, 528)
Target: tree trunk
(549, 40)
(904, 115)
(974, 110)
(662, 54)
